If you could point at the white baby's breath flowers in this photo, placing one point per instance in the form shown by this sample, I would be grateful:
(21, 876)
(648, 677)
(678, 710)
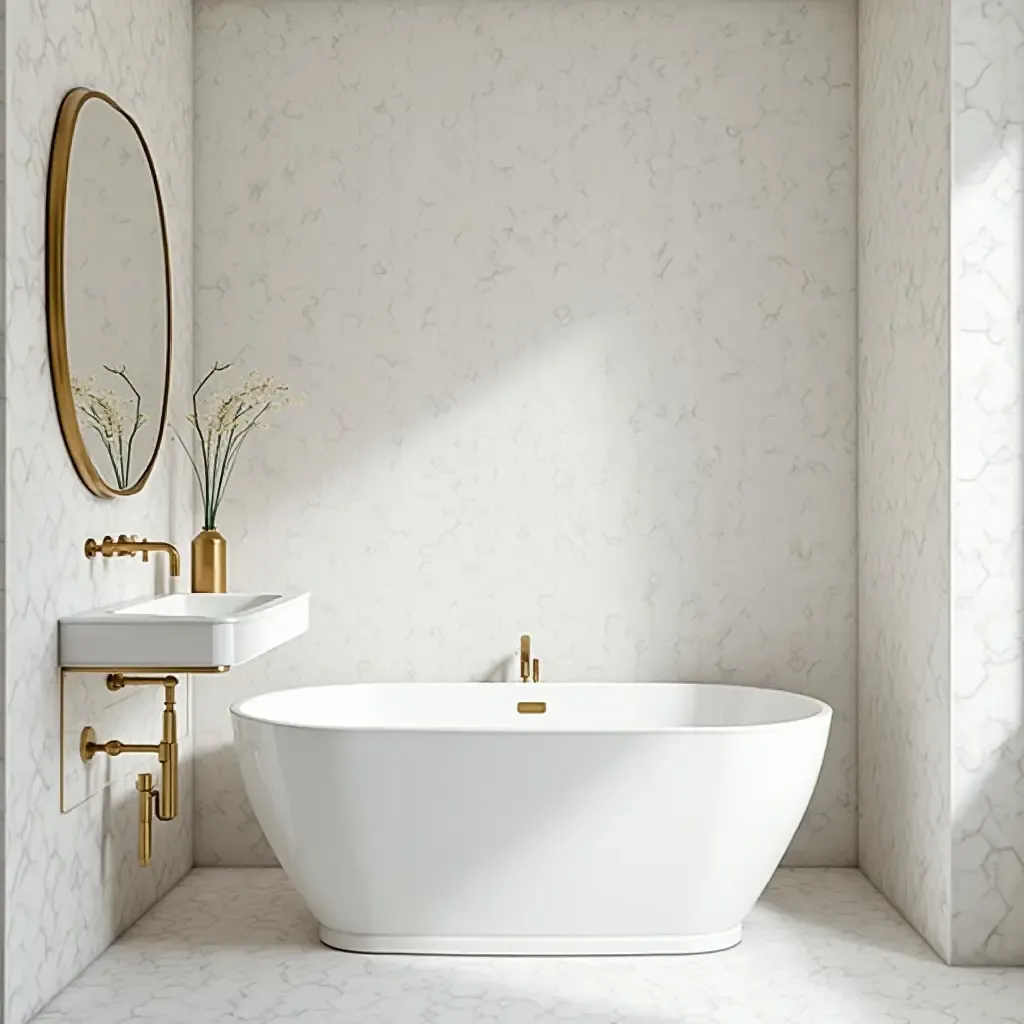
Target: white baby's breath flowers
(222, 422)
(225, 411)
(115, 418)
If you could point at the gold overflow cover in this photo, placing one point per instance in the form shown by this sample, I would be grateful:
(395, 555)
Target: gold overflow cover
(531, 707)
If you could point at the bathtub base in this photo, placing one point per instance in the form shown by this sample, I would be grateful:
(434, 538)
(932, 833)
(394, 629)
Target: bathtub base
(505, 945)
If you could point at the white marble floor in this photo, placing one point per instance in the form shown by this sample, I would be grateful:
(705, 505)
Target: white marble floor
(822, 947)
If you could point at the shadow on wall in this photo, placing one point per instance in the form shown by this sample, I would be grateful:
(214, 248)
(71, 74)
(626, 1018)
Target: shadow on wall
(577, 488)
(580, 485)
(435, 508)
(577, 355)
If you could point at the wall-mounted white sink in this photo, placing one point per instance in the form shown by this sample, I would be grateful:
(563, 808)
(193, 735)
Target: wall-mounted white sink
(182, 631)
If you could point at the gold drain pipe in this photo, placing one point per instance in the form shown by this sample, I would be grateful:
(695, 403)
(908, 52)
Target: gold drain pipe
(163, 801)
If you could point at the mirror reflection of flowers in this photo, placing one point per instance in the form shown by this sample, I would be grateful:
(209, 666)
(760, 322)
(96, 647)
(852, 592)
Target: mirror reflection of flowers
(115, 418)
(222, 422)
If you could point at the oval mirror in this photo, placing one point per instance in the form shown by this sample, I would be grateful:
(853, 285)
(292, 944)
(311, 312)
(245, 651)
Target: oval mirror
(108, 294)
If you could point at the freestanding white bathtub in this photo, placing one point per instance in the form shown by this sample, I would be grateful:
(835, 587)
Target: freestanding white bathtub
(530, 818)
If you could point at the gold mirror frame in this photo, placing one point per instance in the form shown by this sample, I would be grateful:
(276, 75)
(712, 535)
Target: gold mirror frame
(60, 368)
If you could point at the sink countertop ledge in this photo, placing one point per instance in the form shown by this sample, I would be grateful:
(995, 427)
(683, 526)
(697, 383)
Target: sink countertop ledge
(182, 631)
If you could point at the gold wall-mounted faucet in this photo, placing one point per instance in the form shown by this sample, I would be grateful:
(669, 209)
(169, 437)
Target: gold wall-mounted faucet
(131, 546)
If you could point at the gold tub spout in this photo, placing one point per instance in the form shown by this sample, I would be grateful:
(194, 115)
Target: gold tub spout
(524, 658)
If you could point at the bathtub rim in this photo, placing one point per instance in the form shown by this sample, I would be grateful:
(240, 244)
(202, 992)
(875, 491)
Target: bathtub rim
(820, 710)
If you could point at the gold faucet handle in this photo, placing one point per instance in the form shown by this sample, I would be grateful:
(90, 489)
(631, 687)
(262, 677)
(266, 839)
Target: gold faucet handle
(536, 670)
(104, 547)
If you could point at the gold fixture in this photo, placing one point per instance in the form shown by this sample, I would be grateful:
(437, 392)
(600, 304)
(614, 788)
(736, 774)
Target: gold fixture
(526, 667)
(209, 563)
(164, 801)
(531, 707)
(56, 309)
(144, 784)
(88, 734)
(131, 546)
(85, 742)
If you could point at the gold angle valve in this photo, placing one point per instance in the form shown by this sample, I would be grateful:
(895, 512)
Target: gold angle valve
(162, 802)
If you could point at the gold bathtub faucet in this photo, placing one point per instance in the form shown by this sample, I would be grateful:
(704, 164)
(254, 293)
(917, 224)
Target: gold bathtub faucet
(525, 667)
(131, 546)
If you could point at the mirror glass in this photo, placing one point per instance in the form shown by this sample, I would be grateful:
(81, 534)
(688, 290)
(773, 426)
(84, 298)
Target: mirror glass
(108, 294)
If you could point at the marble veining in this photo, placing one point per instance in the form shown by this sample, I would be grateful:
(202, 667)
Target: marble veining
(569, 290)
(903, 452)
(987, 467)
(822, 945)
(72, 882)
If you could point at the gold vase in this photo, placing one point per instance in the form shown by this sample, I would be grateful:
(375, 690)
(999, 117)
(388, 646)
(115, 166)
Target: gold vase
(209, 563)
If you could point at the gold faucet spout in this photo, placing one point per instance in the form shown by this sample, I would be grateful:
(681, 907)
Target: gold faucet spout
(108, 548)
(174, 559)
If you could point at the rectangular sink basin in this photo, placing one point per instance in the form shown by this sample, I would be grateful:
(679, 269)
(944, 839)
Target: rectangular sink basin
(182, 631)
